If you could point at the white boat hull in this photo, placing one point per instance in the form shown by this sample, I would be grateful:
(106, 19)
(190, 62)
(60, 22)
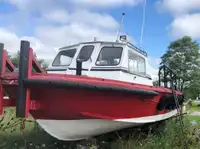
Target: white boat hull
(68, 130)
(196, 102)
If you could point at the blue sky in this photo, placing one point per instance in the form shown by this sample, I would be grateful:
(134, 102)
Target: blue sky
(50, 24)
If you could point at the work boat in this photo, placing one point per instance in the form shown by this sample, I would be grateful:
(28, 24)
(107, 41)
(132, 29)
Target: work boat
(89, 89)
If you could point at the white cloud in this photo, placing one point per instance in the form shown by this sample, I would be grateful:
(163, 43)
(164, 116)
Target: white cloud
(12, 44)
(82, 17)
(42, 5)
(186, 25)
(60, 16)
(152, 71)
(76, 26)
(73, 33)
(106, 3)
(177, 7)
(36, 5)
(65, 26)
(10, 40)
(59, 24)
(152, 67)
(154, 61)
(186, 17)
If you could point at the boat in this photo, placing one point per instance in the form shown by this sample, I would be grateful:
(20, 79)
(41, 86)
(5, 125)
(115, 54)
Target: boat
(89, 89)
(196, 102)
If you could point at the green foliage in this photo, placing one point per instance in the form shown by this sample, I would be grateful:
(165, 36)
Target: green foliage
(15, 60)
(155, 83)
(164, 136)
(32, 137)
(183, 58)
(170, 137)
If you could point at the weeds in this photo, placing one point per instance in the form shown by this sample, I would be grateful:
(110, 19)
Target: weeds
(167, 136)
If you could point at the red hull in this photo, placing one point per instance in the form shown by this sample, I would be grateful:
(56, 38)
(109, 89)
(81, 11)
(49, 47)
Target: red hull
(67, 97)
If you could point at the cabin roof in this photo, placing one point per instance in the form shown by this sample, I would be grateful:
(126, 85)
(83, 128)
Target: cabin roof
(108, 42)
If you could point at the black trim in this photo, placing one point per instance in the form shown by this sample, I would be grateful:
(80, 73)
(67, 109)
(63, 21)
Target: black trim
(56, 69)
(69, 84)
(1, 56)
(23, 74)
(123, 69)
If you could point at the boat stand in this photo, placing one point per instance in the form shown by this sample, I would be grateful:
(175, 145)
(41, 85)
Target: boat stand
(13, 91)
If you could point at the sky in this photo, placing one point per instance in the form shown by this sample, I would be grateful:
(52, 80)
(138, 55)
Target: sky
(50, 24)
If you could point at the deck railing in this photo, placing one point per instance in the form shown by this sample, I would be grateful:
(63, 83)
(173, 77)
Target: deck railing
(167, 78)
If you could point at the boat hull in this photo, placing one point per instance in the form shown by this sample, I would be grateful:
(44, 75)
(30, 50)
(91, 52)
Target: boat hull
(71, 130)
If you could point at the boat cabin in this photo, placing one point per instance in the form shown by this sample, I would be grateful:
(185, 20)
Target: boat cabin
(110, 60)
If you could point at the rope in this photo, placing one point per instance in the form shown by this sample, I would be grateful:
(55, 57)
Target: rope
(143, 22)
(22, 127)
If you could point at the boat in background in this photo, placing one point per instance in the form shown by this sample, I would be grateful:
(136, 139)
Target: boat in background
(90, 88)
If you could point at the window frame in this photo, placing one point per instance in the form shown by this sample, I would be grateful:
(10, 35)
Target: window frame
(137, 55)
(58, 55)
(82, 48)
(122, 48)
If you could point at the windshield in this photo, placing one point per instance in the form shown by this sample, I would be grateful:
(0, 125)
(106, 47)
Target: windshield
(64, 58)
(109, 56)
(85, 52)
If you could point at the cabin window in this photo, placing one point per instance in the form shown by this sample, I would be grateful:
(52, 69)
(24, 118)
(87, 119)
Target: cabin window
(86, 52)
(64, 58)
(136, 64)
(109, 56)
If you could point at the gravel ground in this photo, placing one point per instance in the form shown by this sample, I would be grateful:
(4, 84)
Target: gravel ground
(194, 113)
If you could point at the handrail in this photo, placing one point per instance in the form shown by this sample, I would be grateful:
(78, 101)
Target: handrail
(137, 49)
(167, 73)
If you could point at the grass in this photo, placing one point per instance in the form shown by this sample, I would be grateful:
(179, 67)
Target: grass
(193, 118)
(195, 109)
(168, 135)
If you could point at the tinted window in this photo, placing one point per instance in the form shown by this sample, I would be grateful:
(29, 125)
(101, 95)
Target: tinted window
(85, 52)
(109, 56)
(64, 58)
(136, 63)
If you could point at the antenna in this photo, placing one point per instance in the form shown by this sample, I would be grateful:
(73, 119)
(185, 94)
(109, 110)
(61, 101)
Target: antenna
(95, 38)
(122, 18)
(143, 22)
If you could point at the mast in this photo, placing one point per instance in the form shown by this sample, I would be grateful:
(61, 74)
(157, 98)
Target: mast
(119, 30)
(143, 23)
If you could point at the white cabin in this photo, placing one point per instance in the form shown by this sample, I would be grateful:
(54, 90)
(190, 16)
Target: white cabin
(110, 60)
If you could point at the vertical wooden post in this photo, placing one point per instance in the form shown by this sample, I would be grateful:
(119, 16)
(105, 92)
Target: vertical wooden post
(25, 69)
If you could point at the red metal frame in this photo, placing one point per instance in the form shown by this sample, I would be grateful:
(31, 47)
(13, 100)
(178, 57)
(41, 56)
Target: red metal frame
(9, 80)
(5, 68)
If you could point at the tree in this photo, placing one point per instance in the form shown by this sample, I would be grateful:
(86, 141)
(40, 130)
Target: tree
(15, 60)
(155, 83)
(192, 90)
(183, 58)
